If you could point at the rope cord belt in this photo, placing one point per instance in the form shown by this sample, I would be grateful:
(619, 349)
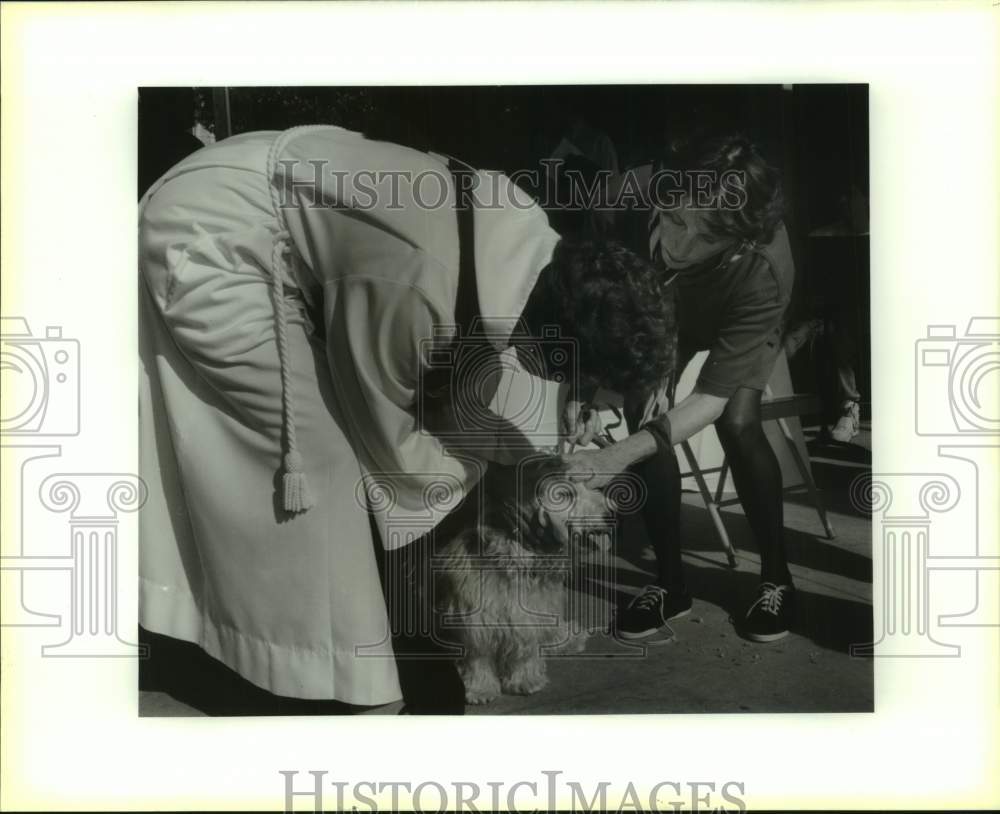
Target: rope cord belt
(295, 485)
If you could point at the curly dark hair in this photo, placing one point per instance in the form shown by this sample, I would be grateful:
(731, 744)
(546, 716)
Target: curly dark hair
(741, 175)
(615, 307)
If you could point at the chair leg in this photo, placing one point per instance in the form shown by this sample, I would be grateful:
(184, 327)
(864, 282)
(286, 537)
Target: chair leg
(806, 474)
(723, 474)
(710, 504)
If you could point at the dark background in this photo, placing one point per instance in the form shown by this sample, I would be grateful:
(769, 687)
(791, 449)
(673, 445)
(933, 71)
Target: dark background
(817, 135)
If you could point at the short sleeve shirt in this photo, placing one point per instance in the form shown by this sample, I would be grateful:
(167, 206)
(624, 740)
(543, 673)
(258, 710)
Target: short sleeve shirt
(735, 309)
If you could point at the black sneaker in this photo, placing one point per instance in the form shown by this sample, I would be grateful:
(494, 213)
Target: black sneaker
(650, 611)
(768, 617)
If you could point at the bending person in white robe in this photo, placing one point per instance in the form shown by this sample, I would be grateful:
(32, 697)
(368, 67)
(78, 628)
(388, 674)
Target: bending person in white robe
(289, 294)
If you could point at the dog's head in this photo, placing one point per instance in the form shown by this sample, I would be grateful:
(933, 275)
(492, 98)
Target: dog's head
(549, 513)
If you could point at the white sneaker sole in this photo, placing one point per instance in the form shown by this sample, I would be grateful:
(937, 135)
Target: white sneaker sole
(766, 637)
(631, 636)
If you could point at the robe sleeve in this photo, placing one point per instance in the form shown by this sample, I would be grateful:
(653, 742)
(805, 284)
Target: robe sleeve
(378, 336)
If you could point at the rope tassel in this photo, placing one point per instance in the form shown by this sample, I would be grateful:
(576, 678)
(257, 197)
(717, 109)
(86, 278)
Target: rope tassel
(298, 498)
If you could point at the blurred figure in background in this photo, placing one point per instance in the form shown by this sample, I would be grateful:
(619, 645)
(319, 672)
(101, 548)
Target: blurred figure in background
(829, 331)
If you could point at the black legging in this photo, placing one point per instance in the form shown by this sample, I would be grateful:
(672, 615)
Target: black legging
(756, 474)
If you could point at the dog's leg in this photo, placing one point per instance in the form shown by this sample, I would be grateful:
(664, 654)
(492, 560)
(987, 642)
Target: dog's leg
(481, 682)
(571, 642)
(527, 674)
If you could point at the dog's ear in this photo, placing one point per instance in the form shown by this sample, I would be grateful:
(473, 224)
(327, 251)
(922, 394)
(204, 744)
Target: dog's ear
(543, 532)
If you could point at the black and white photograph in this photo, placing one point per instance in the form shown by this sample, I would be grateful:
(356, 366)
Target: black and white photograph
(504, 400)
(499, 406)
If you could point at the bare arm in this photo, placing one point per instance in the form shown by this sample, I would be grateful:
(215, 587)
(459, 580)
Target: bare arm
(687, 418)
(693, 414)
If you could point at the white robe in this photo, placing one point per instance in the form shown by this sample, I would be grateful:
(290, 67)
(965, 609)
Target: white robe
(293, 602)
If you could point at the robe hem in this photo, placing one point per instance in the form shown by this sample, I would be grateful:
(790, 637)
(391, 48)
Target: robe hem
(286, 671)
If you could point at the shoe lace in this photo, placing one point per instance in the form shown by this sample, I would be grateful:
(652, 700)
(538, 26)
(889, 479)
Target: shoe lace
(770, 598)
(649, 598)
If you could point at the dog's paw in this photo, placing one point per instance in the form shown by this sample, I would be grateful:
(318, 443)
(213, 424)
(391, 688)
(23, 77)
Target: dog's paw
(580, 640)
(526, 680)
(574, 643)
(481, 683)
(525, 686)
(481, 696)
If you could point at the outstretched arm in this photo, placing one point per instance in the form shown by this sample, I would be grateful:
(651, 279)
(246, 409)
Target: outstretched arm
(689, 417)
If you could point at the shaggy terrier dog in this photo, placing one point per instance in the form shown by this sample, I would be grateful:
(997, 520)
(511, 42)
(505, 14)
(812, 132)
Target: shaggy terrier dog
(500, 583)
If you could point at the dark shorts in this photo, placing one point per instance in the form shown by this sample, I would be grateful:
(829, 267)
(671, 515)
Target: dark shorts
(736, 312)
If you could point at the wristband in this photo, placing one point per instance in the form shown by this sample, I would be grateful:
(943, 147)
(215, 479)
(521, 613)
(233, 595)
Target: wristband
(659, 428)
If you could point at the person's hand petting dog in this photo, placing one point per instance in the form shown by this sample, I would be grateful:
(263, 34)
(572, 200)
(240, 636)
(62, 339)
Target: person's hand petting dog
(581, 423)
(595, 468)
(581, 426)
